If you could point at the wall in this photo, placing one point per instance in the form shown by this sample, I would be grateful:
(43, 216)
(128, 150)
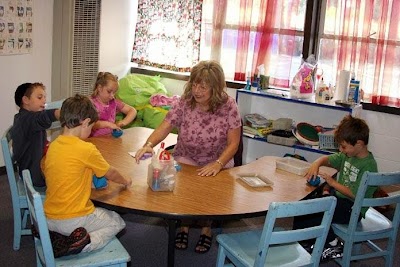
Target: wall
(33, 67)
(117, 28)
(384, 140)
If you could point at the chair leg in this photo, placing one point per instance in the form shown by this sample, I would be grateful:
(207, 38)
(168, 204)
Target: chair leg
(390, 247)
(221, 256)
(347, 252)
(17, 229)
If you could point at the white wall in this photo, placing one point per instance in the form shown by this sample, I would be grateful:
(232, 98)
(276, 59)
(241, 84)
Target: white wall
(117, 28)
(33, 67)
(384, 140)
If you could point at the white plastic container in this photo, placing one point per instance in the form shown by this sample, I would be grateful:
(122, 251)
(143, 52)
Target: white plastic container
(293, 165)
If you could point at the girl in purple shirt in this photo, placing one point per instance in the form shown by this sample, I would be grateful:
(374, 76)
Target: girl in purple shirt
(209, 126)
(103, 98)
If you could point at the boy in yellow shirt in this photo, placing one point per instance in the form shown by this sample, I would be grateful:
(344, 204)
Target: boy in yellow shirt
(69, 167)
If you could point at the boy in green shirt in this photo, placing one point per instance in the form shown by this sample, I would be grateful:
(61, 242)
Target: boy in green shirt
(351, 162)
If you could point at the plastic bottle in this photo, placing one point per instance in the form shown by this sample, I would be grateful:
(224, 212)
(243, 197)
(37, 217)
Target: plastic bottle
(254, 86)
(322, 92)
(248, 82)
(354, 89)
(156, 176)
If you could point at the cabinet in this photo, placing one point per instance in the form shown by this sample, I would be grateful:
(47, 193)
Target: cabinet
(275, 104)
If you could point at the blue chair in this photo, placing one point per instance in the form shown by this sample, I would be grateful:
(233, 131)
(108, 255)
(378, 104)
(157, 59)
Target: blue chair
(113, 254)
(18, 195)
(276, 246)
(375, 226)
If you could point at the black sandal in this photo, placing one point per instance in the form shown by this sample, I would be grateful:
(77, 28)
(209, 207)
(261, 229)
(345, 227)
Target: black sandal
(182, 240)
(204, 244)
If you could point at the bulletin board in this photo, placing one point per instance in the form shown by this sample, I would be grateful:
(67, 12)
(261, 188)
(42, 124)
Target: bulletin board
(16, 27)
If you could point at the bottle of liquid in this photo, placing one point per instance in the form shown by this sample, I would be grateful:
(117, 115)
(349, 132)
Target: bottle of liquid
(322, 92)
(254, 86)
(248, 82)
(354, 89)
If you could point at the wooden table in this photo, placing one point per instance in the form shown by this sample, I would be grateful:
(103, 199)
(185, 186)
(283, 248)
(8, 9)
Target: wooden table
(194, 197)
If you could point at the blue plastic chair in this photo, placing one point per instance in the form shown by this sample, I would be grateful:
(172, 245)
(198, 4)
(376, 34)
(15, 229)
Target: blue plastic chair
(113, 254)
(18, 195)
(375, 226)
(276, 246)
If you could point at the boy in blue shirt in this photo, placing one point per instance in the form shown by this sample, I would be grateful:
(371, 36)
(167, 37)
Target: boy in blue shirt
(29, 130)
(351, 162)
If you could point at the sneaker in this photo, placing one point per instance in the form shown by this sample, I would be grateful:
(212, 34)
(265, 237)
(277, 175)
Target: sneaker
(78, 239)
(60, 244)
(332, 252)
(307, 246)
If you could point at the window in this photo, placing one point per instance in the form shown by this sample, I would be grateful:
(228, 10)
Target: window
(356, 35)
(363, 37)
(243, 35)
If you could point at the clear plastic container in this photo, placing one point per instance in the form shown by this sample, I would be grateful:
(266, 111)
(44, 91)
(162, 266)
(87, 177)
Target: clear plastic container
(161, 175)
(293, 165)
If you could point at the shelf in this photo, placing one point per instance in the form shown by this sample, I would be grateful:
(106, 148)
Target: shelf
(274, 104)
(285, 96)
(297, 146)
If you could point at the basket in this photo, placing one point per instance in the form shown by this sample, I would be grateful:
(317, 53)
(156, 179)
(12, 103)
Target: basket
(327, 141)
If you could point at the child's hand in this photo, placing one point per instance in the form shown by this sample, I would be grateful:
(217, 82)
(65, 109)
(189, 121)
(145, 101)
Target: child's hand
(329, 179)
(113, 126)
(312, 172)
(120, 124)
(128, 183)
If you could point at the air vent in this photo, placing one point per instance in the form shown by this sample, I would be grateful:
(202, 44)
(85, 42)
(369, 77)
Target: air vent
(85, 58)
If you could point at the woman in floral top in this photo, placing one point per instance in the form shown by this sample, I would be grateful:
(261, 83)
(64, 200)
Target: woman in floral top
(209, 126)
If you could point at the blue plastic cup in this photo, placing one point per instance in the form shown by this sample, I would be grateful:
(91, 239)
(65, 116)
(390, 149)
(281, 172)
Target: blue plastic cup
(99, 182)
(315, 182)
(117, 133)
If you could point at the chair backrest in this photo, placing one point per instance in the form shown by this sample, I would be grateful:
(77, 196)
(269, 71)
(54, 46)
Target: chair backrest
(6, 146)
(376, 179)
(271, 236)
(43, 245)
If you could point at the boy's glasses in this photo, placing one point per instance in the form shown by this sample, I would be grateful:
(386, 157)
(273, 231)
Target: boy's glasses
(200, 87)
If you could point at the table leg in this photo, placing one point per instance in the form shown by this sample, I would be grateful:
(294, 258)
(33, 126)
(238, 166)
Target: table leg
(171, 241)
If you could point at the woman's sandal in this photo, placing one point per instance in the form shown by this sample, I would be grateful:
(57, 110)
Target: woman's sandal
(204, 244)
(181, 240)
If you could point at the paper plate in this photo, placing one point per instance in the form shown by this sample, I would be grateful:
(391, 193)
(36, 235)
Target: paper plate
(303, 140)
(307, 131)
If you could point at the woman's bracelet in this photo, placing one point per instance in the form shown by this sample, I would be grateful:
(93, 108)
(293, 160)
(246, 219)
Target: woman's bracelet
(148, 143)
(219, 162)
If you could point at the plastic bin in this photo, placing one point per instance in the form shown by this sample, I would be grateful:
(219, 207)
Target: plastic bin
(293, 165)
(327, 141)
(285, 141)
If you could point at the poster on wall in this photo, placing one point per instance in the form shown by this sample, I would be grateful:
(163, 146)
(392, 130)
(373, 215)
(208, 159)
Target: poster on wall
(16, 24)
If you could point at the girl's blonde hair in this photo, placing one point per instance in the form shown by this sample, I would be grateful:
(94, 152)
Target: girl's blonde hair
(102, 79)
(211, 74)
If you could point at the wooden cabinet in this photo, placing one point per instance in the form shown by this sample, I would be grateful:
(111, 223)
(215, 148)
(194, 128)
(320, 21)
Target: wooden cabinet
(275, 104)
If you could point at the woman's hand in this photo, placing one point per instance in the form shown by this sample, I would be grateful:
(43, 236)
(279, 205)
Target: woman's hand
(210, 169)
(139, 154)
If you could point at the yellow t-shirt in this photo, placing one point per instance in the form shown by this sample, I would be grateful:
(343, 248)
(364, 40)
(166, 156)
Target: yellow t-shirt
(69, 167)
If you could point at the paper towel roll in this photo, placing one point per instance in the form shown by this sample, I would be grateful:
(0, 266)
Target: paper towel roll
(342, 86)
